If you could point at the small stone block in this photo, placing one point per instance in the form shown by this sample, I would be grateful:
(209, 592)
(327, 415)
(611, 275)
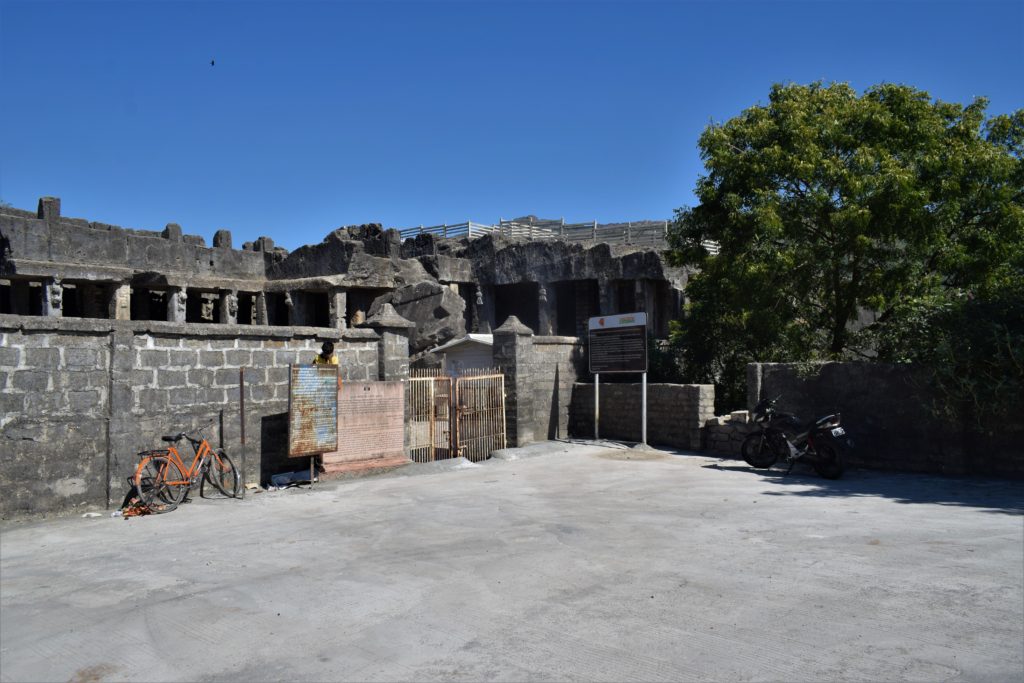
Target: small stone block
(222, 239)
(172, 232)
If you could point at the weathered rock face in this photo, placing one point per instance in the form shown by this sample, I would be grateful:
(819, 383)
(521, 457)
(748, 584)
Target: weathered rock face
(551, 284)
(437, 310)
(498, 260)
(366, 255)
(90, 251)
(375, 240)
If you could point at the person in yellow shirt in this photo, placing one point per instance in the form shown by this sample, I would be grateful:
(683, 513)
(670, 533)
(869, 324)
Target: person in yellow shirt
(326, 355)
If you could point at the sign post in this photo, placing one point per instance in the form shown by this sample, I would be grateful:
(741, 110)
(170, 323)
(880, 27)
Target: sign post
(312, 412)
(618, 343)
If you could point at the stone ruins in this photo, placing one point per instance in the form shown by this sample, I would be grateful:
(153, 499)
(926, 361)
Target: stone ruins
(111, 337)
(73, 268)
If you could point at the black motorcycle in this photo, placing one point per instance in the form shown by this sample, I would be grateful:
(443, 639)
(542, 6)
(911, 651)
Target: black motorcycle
(784, 436)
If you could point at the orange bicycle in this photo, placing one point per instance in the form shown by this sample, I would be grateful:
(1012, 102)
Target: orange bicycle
(162, 481)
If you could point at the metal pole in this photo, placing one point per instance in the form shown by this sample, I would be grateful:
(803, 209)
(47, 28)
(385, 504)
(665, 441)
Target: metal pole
(241, 417)
(597, 390)
(643, 409)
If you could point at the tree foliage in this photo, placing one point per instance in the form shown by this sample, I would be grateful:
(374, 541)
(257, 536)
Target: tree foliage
(971, 346)
(833, 210)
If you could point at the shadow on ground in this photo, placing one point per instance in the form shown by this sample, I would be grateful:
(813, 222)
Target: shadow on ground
(990, 495)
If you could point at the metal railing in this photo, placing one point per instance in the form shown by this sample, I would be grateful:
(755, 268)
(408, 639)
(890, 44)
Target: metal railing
(642, 234)
(455, 230)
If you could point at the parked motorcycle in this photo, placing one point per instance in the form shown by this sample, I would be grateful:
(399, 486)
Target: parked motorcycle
(784, 436)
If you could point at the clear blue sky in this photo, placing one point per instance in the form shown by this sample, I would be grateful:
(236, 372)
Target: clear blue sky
(324, 114)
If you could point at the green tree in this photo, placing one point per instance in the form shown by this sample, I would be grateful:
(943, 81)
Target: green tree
(827, 205)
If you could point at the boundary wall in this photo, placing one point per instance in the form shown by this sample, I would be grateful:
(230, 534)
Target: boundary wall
(79, 398)
(540, 372)
(885, 409)
(676, 413)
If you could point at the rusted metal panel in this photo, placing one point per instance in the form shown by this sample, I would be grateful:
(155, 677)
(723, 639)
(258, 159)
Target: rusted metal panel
(312, 409)
(370, 424)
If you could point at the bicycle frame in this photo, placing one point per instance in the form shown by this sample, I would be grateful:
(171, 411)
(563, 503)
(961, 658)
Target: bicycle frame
(162, 479)
(202, 453)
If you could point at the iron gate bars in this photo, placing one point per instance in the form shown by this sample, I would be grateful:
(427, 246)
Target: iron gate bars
(480, 413)
(451, 417)
(428, 410)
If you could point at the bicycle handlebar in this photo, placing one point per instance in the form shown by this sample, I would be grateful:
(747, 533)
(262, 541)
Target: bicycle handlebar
(196, 431)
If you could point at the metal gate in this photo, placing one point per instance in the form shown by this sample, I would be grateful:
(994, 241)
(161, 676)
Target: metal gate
(428, 416)
(449, 417)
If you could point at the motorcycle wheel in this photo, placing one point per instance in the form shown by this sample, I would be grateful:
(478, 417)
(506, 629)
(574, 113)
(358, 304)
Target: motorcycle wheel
(757, 452)
(827, 462)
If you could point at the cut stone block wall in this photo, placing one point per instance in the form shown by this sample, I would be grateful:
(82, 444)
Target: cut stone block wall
(80, 398)
(554, 369)
(676, 413)
(54, 411)
(76, 241)
(539, 377)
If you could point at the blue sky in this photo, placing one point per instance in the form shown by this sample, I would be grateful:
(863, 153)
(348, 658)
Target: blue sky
(323, 114)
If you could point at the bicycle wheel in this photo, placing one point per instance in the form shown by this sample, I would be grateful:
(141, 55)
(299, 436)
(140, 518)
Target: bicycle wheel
(223, 474)
(159, 483)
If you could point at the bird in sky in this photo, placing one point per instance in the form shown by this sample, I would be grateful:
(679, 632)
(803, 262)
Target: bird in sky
(211, 62)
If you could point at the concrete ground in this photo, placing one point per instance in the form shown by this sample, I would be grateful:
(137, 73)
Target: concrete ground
(588, 563)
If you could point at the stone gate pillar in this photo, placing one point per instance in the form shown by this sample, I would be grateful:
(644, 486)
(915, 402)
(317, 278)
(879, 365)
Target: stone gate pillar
(393, 346)
(513, 352)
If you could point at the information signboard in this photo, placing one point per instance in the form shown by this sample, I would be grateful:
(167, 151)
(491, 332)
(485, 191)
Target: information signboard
(618, 343)
(312, 410)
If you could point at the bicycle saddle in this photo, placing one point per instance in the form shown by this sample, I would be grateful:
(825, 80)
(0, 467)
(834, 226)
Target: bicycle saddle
(172, 439)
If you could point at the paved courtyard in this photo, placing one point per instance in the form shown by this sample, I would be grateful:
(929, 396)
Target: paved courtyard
(588, 562)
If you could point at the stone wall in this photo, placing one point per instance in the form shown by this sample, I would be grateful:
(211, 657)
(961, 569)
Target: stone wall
(49, 237)
(676, 413)
(557, 363)
(539, 376)
(885, 410)
(513, 355)
(724, 435)
(81, 397)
